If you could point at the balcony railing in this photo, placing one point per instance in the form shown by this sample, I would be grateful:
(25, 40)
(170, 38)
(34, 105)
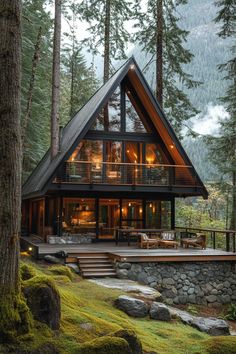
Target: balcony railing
(83, 172)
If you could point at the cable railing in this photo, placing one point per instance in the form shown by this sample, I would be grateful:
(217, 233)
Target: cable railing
(85, 172)
(218, 239)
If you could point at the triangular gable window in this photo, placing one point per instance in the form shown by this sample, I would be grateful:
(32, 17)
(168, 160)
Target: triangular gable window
(109, 117)
(134, 123)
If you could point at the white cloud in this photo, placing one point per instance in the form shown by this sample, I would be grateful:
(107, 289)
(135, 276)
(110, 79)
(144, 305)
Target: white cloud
(208, 121)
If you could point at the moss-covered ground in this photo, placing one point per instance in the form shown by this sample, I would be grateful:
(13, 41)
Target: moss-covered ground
(88, 313)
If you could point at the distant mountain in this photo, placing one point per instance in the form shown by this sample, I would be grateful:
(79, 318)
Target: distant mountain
(209, 51)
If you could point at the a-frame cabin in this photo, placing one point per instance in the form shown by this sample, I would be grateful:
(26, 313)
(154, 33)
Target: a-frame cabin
(120, 164)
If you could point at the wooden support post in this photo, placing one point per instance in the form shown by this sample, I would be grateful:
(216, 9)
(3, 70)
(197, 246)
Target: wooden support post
(214, 239)
(172, 214)
(227, 241)
(97, 217)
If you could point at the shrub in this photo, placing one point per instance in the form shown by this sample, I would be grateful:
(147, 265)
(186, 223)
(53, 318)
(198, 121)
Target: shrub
(231, 314)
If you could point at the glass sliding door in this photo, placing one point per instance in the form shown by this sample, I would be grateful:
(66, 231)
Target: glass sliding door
(79, 215)
(113, 168)
(132, 213)
(133, 156)
(109, 217)
(153, 214)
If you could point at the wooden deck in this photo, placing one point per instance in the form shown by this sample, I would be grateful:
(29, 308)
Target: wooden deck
(131, 253)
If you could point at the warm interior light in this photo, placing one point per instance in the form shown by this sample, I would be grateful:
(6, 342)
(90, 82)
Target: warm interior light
(172, 146)
(129, 204)
(127, 151)
(140, 210)
(30, 249)
(132, 66)
(150, 205)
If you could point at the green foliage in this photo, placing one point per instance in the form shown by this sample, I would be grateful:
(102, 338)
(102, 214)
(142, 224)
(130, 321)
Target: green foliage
(221, 345)
(62, 270)
(94, 12)
(192, 309)
(231, 313)
(175, 56)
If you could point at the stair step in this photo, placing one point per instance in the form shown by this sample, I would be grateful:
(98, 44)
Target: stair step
(94, 265)
(93, 261)
(92, 257)
(96, 275)
(95, 270)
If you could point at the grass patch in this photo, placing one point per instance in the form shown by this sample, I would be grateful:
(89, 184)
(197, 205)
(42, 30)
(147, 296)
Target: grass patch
(89, 318)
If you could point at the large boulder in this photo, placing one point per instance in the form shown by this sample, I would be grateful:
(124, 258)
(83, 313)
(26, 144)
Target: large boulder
(132, 339)
(133, 307)
(51, 259)
(212, 326)
(159, 312)
(43, 300)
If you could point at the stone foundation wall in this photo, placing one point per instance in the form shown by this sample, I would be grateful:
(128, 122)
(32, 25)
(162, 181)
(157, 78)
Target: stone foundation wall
(206, 283)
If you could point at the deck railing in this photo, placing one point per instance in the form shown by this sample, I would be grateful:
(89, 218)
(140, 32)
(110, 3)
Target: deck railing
(216, 238)
(83, 172)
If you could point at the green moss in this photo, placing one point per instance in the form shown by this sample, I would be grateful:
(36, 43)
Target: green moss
(15, 318)
(105, 345)
(62, 270)
(27, 271)
(39, 281)
(221, 345)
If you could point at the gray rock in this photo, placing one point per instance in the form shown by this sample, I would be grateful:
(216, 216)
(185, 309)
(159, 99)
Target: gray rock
(159, 312)
(133, 307)
(86, 326)
(132, 339)
(168, 281)
(51, 259)
(122, 273)
(74, 267)
(211, 298)
(125, 265)
(44, 302)
(212, 326)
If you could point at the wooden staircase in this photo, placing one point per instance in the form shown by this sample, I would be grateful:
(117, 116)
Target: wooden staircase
(95, 265)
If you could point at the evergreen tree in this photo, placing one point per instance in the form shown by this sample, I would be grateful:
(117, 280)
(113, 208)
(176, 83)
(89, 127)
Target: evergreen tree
(37, 129)
(160, 36)
(223, 147)
(78, 80)
(13, 310)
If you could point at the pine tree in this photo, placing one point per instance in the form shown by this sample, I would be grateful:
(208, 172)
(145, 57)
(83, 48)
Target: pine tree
(223, 147)
(13, 311)
(78, 81)
(37, 129)
(160, 36)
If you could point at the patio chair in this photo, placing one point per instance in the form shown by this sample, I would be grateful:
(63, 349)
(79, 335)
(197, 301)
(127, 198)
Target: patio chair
(198, 241)
(147, 242)
(168, 240)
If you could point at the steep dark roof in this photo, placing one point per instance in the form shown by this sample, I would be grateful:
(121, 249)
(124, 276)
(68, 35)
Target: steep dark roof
(82, 121)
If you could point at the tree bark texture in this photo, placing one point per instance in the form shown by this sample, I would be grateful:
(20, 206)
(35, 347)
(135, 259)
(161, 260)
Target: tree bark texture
(233, 213)
(35, 61)
(159, 52)
(11, 307)
(106, 72)
(56, 81)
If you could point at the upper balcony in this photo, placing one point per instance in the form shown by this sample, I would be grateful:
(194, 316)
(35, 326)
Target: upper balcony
(83, 172)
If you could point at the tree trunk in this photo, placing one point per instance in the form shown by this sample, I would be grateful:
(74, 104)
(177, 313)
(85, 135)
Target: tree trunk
(31, 87)
(11, 309)
(106, 72)
(56, 81)
(233, 214)
(159, 52)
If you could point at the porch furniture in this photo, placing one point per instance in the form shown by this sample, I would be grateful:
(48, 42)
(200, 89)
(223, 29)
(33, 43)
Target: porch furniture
(198, 241)
(129, 233)
(146, 242)
(168, 239)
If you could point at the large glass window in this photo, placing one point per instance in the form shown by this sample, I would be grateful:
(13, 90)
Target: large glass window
(114, 158)
(132, 213)
(153, 214)
(166, 214)
(109, 118)
(134, 123)
(109, 217)
(79, 215)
